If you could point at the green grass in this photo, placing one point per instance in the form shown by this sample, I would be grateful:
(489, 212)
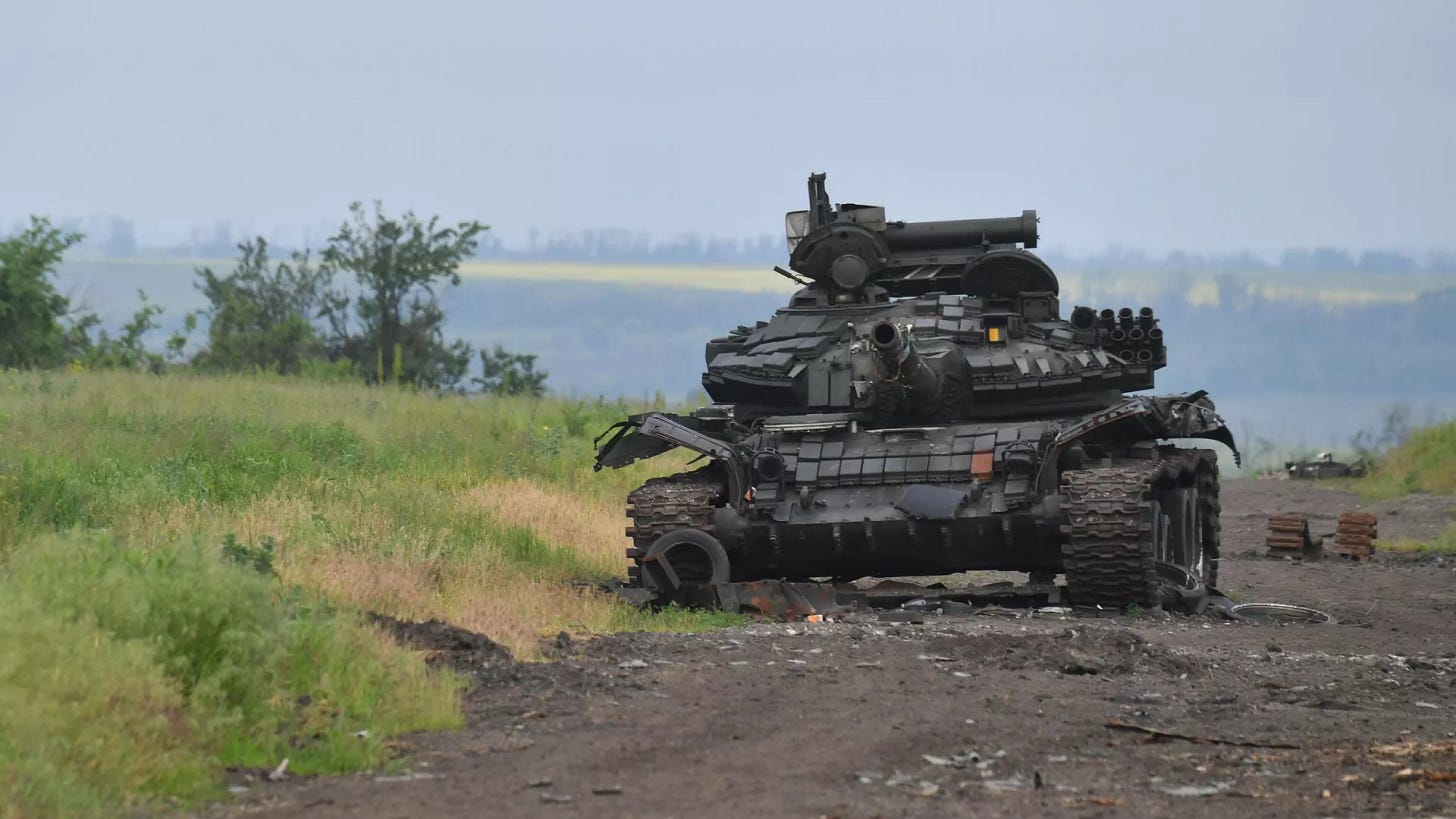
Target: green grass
(144, 641)
(1426, 462)
(1444, 544)
(132, 675)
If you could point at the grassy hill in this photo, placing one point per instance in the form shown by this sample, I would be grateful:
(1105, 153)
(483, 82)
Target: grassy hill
(1426, 462)
(145, 640)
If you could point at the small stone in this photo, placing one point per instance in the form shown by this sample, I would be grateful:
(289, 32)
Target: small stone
(926, 788)
(556, 798)
(543, 782)
(607, 790)
(632, 664)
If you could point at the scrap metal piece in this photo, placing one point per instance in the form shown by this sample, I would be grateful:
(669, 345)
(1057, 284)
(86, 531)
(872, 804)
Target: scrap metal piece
(1274, 614)
(777, 598)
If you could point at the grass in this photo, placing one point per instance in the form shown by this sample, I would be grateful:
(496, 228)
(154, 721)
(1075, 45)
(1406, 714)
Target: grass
(144, 641)
(1444, 544)
(1426, 462)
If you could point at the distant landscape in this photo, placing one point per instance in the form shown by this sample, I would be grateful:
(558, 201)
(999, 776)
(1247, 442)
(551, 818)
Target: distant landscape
(1297, 360)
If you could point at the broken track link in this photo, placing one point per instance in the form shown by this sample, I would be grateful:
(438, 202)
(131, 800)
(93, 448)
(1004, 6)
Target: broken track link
(682, 501)
(1108, 556)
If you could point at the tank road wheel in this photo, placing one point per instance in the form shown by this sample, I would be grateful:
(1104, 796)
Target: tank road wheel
(1132, 530)
(663, 505)
(680, 560)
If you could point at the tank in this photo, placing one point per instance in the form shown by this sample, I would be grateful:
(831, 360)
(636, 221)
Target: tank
(1324, 466)
(922, 406)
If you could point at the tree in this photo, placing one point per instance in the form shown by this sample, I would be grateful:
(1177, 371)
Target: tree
(398, 264)
(262, 318)
(126, 351)
(505, 373)
(121, 238)
(31, 333)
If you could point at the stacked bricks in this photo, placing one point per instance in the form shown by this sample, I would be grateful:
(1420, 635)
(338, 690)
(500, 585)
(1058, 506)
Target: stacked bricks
(1355, 536)
(1289, 535)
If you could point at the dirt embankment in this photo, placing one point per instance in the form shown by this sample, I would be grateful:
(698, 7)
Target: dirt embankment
(986, 715)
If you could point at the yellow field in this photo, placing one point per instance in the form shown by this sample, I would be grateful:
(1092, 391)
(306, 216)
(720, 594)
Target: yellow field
(1109, 286)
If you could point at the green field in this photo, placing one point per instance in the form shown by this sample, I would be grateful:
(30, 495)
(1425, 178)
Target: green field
(136, 659)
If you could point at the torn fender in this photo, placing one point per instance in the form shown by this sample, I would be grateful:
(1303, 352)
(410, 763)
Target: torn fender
(1167, 416)
(651, 434)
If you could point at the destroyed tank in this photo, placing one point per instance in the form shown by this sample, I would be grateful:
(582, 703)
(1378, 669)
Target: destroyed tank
(922, 407)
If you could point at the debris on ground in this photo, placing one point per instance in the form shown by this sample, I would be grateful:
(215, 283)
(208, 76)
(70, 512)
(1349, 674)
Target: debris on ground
(1156, 735)
(1280, 614)
(444, 644)
(1355, 536)
(1289, 536)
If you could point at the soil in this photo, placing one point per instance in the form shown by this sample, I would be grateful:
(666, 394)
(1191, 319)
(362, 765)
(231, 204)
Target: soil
(1001, 713)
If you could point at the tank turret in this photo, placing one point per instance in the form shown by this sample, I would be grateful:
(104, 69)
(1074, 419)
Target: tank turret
(978, 314)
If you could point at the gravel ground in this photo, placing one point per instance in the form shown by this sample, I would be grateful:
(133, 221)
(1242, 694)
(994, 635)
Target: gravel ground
(1002, 713)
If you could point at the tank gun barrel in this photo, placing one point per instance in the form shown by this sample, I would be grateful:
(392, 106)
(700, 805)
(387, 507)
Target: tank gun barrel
(900, 363)
(903, 237)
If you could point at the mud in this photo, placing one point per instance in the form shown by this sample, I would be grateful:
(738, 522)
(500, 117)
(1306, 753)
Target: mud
(985, 715)
(445, 644)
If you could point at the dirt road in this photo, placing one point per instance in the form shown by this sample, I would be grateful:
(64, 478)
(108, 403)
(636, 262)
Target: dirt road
(996, 714)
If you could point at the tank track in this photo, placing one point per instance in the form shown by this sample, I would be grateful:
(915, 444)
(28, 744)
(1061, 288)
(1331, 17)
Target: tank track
(1108, 554)
(660, 505)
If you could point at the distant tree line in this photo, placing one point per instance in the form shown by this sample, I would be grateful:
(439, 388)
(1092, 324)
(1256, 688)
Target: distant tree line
(115, 236)
(366, 307)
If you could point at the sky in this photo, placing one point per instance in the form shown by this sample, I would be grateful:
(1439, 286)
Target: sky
(1200, 126)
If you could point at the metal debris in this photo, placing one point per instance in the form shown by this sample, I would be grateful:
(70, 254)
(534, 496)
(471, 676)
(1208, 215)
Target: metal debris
(1277, 614)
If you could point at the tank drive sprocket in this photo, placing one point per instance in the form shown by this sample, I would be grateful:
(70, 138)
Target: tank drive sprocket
(1122, 521)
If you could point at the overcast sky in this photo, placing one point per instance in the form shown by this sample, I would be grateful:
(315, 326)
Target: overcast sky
(1219, 125)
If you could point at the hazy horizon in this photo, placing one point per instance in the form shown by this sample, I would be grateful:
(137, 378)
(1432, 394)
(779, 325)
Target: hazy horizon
(1217, 128)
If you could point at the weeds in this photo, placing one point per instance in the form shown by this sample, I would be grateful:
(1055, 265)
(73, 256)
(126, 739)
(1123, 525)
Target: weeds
(1426, 462)
(245, 519)
(1444, 544)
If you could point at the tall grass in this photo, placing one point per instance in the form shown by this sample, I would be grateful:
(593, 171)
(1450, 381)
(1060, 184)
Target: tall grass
(129, 674)
(134, 660)
(1426, 462)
